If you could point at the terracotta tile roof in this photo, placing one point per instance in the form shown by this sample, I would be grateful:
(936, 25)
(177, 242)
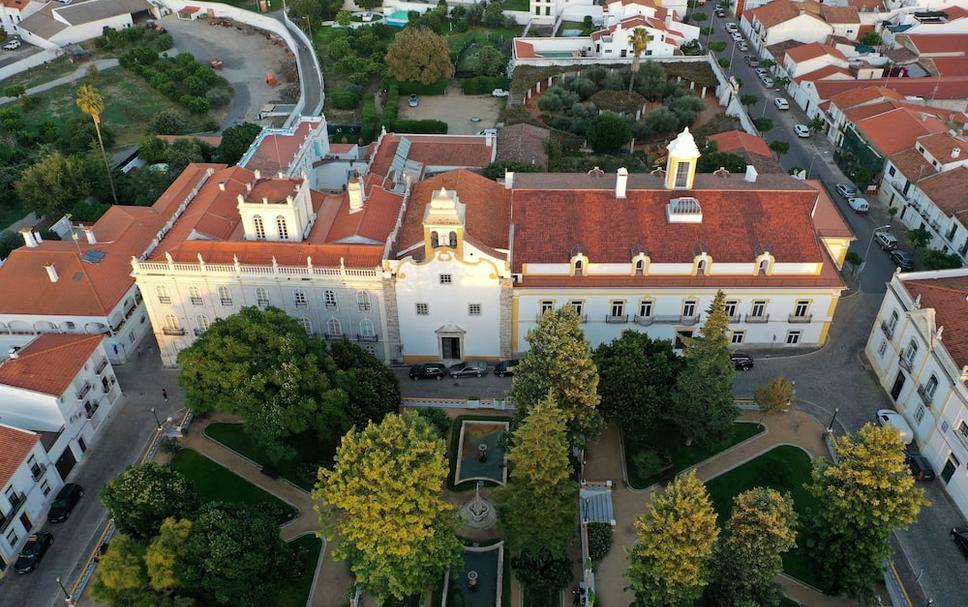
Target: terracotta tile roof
(856, 96)
(739, 220)
(945, 87)
(373, 223)
(947, 297)
(273, 190)
(49, 363)
(276, 152)
(947, 190)
(949, 66)
(805, 52)
(634, 22)
(772, 13)
(524, 50)
(827, 219)
(898, 129)
(523, 143)
(865, 6)
(660, 12)
(256, 252)
(84, 288)
(341, 148)
(15, 4)
(912, 164)
(15, 446)
(839, 14)
(827, 72)
(956, 44)
(486, 210)
(434, 150)
(871, 109)
(732, 141)
(941, 145)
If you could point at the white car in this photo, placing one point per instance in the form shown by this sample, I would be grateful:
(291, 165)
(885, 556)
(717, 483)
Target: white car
(12, 45)
(846, 190)
(885, 240)
(738, 37)
(887, 417)
(742, 46)
(731, 27)
(801, 130)
(781, 103)
(768, 82)
(859, 205)
(499, 93)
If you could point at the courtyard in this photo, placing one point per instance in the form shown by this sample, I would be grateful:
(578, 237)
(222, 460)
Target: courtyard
(456, 109)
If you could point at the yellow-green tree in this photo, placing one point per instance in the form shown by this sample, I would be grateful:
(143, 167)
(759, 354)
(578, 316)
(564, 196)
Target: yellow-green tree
(669, 566)
(862, 499)
(92, 103)
(121, 571)
(419, 55)
(639, 39)
(166, 552)
(774, 396)
(381, 504)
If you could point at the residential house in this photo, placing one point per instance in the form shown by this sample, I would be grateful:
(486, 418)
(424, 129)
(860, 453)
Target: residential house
(59, 24)
(13, 12)
(753, 149)
(784, 20)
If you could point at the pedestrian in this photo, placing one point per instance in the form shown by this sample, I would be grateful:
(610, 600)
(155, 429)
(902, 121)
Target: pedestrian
(164, 394)
(575, 597)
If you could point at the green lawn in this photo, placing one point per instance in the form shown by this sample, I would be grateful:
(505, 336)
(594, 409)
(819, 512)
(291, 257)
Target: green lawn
(457, 40)
(216, 483)
(295, 592)
(786, 469)
(311, 453)
(42, 73)
(666, 439)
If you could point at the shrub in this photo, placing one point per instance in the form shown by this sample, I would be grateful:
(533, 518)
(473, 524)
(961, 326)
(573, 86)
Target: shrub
(421, 126)
(344, 100)
(219, 97)
(391, 108)
(647, 463)
(584, 87)
(481, 85)
(170, 445)
(416, 88)
(549, 103)
(775, 396)
(496, 170)
(608, 132)
(195, 105)
(599, 540)
(934, 259)
(370, 124)
(614, 81)
(763, 124)
(437, 418)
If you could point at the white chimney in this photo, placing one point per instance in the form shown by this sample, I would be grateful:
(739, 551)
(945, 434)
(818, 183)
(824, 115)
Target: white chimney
(508, 180)
(751, 174)
(221, 186)
(258, 174)
(357, 196)
(621, 182)
(38, 237)
(28, 235)
(955, 152)
(51, 272)
(89, 232)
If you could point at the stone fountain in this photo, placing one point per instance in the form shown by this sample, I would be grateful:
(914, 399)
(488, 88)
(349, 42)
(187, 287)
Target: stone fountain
(479, 512)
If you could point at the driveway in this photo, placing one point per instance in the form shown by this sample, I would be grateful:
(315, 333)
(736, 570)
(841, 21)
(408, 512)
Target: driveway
(489, 386)
(456, 109)
(121, 442)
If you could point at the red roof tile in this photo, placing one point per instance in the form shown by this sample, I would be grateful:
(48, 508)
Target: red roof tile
(898, 129)
(949, 66)
(374, 222)
(942, 145)
(827, 72)
(634, 22)
(928, 44)
(276, 152)
(839, 14)
(945, 87)
(256, 252)
(273, 190)
(435, 150)
(15, 446)
(912, 164)
(772, 13)
(856, 96)
(947, 190)
(806, 52)
(731, 141)
(49, 363)
(827, 218)
(524, 50)
(947, 297)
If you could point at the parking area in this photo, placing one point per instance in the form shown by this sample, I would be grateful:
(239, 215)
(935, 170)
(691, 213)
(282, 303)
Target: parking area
(12, 56)
(456, 109)
(248, 56)
(489, 386)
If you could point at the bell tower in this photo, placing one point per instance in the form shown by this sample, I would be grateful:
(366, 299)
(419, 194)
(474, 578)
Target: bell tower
(681, 166)
(443, 224)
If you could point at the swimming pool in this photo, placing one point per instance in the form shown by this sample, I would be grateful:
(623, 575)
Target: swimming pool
(556, 54)
(398, 18)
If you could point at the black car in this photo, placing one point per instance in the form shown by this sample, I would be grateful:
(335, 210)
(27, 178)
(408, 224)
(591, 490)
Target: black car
(505, 368)
(64, 503)
(428, 371)
(902, 259)
(920, 467)
(473, 368)
(33, 551)
(960, 536)
(741, 361)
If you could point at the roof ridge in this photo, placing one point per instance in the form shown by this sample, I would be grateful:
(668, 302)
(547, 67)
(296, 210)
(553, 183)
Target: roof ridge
(81, 339)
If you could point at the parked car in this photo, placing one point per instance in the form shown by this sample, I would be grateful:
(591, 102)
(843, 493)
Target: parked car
(885, 240)
(751, 61)
(960, 536)
(64, 502)
(781, 103)
(742, 46)
(12, 45)
(768, 82)
(471, 368)
(505, 368)
(889, 417)
(741, 361)
(499, 93)
(801, 130)
(33, 552)
(920, 467)
(731, 27)
(902, 259)
(846, 190)
(859, 204)
(720, 13)
(414, 101)
(428, 371)
(738, 37)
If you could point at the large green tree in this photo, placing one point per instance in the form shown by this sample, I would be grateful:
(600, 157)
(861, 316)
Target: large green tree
(637, 375)
(54, 184)
(703, 407)
(862, 500)
(608, 132)
(262, 365)
(381, 505)
(559, 364)
(143, 496)
(419, 55)
(669, 566)
(761, 528)
(235, 141)
(372, 389)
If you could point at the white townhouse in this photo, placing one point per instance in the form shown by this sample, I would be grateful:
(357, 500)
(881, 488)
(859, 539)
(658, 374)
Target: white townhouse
(919, 353)
(13, 12)
(28, 483)
(61, 386)
(782, 21)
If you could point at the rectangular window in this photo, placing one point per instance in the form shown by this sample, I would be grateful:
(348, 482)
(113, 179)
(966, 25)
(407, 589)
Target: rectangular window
(446, 279)
(225, 296)
(423, 309)
(45, 488)
(474, 309)
(912, 351)
(800, 310)
(689, 308)
(737, 337)
(12, 537)
(577, 305)
(891, 171)
(731, 306)
(307, 325)
(618, 308)
(163, 296)
(300, 298)
(963, 430)
(329, 298)
(645, 308)
(759, 309)
(919, 414)
(546, 306)
(682, 174)
(262, 297)
(892, 324)
(195, 295)
(881, 349)
(792, 337)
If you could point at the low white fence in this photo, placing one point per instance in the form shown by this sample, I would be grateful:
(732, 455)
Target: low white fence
(28, 62)
(315, 111)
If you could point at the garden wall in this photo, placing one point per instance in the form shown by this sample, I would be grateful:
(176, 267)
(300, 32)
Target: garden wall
(730, 100)
(28, 62)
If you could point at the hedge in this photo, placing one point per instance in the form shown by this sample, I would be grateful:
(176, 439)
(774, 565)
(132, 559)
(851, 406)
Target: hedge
(420, 126)
(371, 125)
(391, 108)
(417, 88)
(481, 85)
(344, 100)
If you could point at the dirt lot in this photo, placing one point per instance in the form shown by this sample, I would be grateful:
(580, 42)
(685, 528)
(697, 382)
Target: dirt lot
(456, 109)
(247, 56)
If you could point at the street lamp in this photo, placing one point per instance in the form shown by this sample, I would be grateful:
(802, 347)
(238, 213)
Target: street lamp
(155, 415)
(816, 153)
(830, 426)
(67, 596)
(863, 263)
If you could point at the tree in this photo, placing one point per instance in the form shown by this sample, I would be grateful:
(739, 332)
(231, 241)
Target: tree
(16, 91)
(703, 407)
(934, 259)
(717, 46)
(712, 160)
(92, 103)
(381, 504)
(236, 141)
(861, 501)
(490, 61)
(344, 18)
(670, 564)
(165, 556)
(775, 396)
(537, 506)
(262, 365)
(144, 186)
(637, 375)
(651, 80)
(748, 100)
(143, 496)
(169, 122)
(639, 40)
(181, 153)
(780, 147)
(53, 184)
(153, 149)
(372, 389)
(919, 238)
(419, 55)
(871, 39)
(559, 364)
(762, 124)
(816, 124)
(120, 577)
(761, 528)
(608, 132)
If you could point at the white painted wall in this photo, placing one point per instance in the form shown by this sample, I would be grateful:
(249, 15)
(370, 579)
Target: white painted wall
(38, 493)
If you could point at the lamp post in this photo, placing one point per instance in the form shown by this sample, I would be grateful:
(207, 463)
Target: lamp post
(67, 596)
(155, 415)
(863, 263)
(830, 426)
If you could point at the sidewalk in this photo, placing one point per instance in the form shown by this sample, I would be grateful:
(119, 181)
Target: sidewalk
(80, 72)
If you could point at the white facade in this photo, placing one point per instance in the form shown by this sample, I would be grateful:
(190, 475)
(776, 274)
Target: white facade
(12, 14)
(907, 353)
(802, 28)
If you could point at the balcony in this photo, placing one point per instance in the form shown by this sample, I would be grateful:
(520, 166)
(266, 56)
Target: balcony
(16, 501)
(617, 319)
(645, 321)
(689, 319)
(905, 363)
(301, 304)
(196, 301)
(173, 331)
(887, 329)
(360, 337)
(800, 318)
(226, 301)
(83, 391)
(333, 336)
(926, 397)
(757, 318)
(331, 305)
(37, 471)
(164, 299)
(734, 318)
(90, 410)
(100, 366)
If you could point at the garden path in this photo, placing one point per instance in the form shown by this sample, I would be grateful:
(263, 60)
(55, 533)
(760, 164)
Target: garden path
(79, 73)
(605, 462)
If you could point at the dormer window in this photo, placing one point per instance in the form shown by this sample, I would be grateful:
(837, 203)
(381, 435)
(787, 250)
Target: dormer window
(639, 267)
(702, 265)
(579, 267)
(452, 240)
(684, 210)
(764, 264)
(434, 240)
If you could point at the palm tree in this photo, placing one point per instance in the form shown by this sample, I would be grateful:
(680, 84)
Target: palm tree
(92, 103)
(639, 40)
